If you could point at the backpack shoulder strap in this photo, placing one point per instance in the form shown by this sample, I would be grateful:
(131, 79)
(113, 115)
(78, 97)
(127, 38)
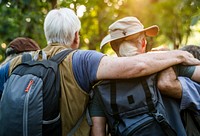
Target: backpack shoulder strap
(59, 57)
(26, 57)
(113, 103)
(78, 123)
(148, 95)
(159, 118)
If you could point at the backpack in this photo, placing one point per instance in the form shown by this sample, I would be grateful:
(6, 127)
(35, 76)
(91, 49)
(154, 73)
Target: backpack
(191, 122)
(133, 107)
(30, 101)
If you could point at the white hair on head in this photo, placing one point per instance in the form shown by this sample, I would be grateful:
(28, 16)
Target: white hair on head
(60, 26)
(127, 49)
(130, 47)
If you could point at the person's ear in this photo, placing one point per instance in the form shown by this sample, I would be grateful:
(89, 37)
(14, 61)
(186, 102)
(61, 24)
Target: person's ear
(75, 43)
(144, 44)
(76, 39)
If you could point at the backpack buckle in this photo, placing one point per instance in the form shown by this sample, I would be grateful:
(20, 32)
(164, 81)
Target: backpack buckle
(159, 117)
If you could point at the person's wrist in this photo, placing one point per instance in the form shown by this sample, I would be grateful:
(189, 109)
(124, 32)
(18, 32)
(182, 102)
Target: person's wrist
(179, 55)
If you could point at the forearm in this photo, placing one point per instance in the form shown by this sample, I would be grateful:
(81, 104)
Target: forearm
(99, 126)
(196, 74)
(141, 65)
(168, 84)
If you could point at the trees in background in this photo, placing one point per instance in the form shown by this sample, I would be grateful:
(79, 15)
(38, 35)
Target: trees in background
(174, 17)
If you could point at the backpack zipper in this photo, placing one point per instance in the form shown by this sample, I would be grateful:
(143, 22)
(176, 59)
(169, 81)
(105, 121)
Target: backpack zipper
(25, 112)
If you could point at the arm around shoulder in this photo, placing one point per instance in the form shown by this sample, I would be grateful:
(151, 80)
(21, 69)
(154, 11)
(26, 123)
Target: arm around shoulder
(141, 65)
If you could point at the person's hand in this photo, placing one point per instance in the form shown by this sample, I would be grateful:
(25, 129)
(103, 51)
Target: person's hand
(188, 58)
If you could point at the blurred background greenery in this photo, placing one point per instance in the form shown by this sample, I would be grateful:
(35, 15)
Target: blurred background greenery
(178, 20)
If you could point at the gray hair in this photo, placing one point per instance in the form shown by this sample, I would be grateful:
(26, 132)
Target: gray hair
(60, 26)
(127, 49)
(130, 47)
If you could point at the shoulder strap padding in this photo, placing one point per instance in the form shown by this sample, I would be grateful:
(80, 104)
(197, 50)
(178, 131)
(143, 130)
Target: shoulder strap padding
(59, 57)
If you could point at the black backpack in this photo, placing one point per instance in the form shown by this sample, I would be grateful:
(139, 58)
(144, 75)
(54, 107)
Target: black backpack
(191, 122)
(30, 101)
(133, 107)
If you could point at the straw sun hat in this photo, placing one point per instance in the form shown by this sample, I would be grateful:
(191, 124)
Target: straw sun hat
(126, 27)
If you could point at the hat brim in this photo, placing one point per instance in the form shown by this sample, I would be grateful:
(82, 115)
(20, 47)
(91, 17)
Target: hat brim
(149, 31)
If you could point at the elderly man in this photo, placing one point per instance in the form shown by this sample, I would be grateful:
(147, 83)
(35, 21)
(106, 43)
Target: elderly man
(128, 46)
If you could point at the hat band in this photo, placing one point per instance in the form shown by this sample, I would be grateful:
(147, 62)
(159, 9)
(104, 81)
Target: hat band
(123, 33)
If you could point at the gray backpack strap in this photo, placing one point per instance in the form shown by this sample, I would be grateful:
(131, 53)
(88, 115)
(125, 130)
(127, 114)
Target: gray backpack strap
(59, 57)
(78, 123)
(159, 118)
(26, 57)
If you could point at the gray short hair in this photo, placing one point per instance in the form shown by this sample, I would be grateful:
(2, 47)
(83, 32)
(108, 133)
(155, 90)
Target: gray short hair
(60, 26)
(128, 47)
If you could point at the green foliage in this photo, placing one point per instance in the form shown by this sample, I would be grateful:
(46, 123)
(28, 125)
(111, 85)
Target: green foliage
(97, 17)
(22, 18)
(174, 19)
